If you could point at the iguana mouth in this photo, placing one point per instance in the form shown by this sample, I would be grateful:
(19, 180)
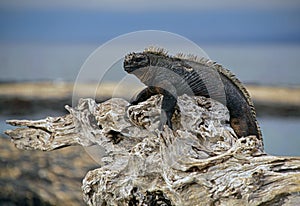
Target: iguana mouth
(127, 62)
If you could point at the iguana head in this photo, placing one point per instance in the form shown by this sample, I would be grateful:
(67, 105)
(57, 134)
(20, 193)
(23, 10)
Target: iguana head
(146, 65)
(136, 61)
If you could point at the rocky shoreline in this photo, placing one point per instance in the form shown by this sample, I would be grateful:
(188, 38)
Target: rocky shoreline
(42, 178)
(27, 98)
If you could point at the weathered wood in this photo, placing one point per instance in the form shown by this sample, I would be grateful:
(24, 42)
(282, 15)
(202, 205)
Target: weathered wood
(200, 162)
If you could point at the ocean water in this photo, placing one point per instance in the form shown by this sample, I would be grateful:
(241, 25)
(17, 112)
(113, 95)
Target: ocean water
(281, 136)
(260, 64)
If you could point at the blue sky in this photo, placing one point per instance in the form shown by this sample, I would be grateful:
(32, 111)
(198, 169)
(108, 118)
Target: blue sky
(67, 21)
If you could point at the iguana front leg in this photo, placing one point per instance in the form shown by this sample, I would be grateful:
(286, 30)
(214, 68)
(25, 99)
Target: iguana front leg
(144, 95)
(168, 103)
(167, 109)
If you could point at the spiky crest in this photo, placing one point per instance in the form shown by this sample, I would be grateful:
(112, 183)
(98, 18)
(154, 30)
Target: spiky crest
(156, 50)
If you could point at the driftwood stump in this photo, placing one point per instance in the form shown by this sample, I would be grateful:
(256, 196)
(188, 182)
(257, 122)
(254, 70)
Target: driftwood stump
(200, 162)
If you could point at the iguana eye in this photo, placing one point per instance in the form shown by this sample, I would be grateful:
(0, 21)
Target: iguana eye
(141, 59)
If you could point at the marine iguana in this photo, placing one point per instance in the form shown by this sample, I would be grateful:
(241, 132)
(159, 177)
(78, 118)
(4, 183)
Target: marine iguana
(172, 76)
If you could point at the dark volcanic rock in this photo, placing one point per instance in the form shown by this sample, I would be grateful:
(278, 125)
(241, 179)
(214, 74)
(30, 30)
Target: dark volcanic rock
(42, 178)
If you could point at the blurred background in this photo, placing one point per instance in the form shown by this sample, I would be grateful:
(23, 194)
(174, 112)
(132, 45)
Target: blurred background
(43, 45)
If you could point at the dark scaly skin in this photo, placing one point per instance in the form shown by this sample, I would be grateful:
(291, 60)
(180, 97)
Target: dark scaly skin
(174, 76)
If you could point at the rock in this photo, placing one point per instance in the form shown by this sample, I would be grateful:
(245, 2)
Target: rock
(42, 178)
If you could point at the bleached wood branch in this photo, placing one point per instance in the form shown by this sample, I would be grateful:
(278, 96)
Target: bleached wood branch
(199, 162)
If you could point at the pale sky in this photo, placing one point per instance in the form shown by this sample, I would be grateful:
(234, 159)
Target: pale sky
(142, 5)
